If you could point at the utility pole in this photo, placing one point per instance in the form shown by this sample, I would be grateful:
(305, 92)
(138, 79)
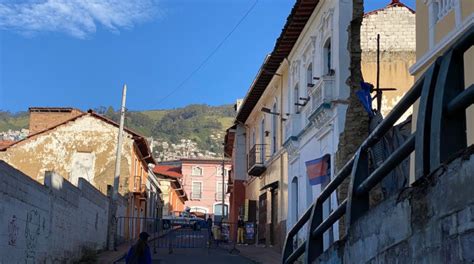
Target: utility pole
(223, 183)
(113, 207)
(119, 144)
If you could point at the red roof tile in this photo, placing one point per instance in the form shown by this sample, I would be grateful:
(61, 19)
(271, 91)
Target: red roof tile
(169, 171)
(6, 143)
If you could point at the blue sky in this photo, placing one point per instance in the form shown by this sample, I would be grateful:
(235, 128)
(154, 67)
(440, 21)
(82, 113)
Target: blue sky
(75, 54)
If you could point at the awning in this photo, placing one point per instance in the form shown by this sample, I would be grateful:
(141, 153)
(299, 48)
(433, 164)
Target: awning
(273, 185)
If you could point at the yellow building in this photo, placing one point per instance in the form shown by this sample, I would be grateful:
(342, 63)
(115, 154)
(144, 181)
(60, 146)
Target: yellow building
(439, 24)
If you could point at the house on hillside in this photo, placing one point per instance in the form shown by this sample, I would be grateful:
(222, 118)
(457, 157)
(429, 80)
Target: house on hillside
(76, 144)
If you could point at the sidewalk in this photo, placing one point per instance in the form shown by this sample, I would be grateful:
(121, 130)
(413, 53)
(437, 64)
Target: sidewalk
(111, 256)
(260, 253)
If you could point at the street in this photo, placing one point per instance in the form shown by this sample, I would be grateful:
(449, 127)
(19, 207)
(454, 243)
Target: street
(198, 255)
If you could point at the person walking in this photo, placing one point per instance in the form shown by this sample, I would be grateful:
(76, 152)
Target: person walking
(240, 230)
(140, 252)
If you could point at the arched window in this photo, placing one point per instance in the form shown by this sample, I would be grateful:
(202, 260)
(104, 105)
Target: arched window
(296, 99)
(294, 198)
(327, 58)
(309, 75)
(262, 141)
(274, 128)
(196, 171)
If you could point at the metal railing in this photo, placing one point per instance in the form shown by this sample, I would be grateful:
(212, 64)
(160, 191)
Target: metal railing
(137, 184)
(440, 134)
(257, 156)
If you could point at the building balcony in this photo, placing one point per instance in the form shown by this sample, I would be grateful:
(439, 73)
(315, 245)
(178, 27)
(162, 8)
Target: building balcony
(256, 160)
(138, 186)
(321, 96)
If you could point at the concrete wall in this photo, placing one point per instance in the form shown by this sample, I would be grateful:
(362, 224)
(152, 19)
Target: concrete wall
(49, 223)
(430, 223)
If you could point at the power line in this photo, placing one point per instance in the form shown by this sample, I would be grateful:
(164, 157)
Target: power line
(210, 54)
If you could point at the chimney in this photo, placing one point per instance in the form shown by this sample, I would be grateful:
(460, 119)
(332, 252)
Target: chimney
(43, 118)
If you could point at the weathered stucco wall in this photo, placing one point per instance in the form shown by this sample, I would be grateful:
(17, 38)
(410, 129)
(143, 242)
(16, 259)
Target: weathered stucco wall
(60, 150)
(51, 223)
(430, 223)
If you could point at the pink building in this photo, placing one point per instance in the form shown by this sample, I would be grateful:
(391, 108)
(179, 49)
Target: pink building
(202, 181)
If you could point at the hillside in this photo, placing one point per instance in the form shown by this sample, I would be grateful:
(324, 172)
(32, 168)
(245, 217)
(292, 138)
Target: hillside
(191, 131)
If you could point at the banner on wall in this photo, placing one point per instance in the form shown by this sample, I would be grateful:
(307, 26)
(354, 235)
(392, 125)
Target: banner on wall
(319, 170)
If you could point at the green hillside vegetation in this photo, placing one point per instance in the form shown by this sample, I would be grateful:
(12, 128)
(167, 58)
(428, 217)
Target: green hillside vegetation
(196, 122)
(15, 121)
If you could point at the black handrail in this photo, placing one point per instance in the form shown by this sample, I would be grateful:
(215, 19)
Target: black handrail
(441, 94)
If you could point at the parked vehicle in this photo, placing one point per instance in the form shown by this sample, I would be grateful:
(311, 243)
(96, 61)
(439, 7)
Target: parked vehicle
(184, 220)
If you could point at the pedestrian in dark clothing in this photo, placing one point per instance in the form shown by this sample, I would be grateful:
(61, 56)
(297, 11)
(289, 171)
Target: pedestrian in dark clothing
(209, 226)
(240, 231)
(209, 222)
(140, 252)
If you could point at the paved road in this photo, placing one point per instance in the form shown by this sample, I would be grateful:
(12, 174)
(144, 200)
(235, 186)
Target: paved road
(198, 255)
(190, 246)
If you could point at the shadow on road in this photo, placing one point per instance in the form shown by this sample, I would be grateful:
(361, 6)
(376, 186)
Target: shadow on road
(198, 255)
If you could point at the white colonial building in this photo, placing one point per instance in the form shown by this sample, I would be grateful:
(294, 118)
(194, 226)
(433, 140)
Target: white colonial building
(317, 89)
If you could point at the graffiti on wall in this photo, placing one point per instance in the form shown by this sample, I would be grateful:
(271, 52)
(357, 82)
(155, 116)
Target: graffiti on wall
(32, 233)
(12, 231)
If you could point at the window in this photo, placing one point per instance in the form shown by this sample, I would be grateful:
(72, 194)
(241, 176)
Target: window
(309, 75)
(196, 171)
(296, 99)
(219, 190)
(327, 58)
(262, 141)
(196, 191)
(274, 128)
(219, 172)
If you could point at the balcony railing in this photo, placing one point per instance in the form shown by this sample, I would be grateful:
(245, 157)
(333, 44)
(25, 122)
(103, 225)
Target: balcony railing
(322, 92)
(138, 186)
(293, 126)
(256, 159)
(440, 133)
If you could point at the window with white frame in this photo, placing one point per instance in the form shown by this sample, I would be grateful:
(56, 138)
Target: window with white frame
(309, 75)
(196, 190)
(327, 58)
(274, 128)
(296, 98)
(196, 171)
(219, 190)
(219, 171)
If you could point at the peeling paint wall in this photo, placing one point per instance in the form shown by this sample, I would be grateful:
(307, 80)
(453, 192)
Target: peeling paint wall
(50, 223)
(59, 149)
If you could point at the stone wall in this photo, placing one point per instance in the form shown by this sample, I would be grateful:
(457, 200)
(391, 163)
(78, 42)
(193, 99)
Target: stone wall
(49, 223)
(430, 223)
(396, 26)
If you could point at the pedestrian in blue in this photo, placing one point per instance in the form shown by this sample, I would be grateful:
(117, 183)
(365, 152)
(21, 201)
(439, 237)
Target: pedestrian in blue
(140, 252)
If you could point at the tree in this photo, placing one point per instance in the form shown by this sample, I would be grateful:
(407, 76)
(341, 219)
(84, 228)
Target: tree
(356, 126)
